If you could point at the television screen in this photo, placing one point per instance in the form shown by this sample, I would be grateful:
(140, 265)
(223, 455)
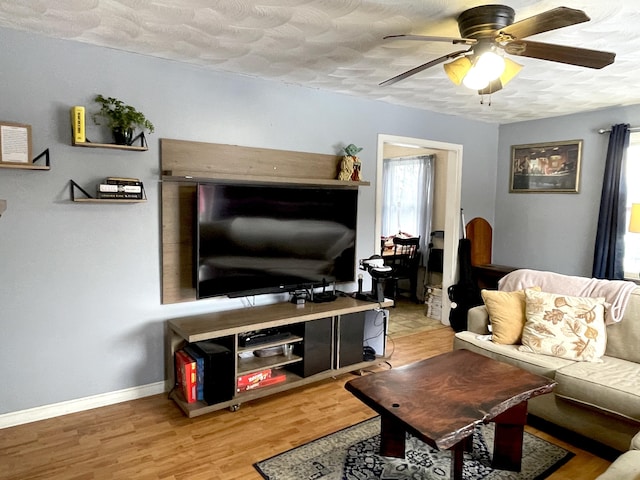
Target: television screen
(254, 239)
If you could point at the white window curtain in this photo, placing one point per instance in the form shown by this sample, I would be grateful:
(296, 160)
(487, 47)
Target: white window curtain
(407, 193)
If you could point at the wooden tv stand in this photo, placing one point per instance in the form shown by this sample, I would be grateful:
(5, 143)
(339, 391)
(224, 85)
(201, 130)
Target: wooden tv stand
(340, 323)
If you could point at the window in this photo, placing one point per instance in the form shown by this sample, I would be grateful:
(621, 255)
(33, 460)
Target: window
(632, 240)
(407, 196)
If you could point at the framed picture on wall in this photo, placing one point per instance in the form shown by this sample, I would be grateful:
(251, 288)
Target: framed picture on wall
(15, 143)
(552, 167)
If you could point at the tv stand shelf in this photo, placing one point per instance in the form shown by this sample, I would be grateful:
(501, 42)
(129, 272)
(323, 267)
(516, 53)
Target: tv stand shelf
(225, 325)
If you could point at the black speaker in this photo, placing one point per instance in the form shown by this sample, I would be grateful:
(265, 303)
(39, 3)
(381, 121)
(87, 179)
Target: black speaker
(315, 350)
(350, 339)
(218, 370)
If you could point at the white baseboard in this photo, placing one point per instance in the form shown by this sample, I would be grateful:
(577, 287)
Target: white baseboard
(79, 405)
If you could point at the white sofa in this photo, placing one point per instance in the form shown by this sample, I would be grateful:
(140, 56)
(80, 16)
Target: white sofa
(598, 400)
(627, 465)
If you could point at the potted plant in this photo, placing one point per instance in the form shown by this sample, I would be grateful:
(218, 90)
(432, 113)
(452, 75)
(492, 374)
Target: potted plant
(121, 118)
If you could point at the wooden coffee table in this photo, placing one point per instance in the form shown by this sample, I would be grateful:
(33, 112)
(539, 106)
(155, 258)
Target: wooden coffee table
(440, 400)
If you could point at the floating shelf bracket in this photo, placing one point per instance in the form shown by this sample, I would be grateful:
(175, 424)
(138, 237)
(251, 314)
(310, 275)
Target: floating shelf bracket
(44, 154)
(73, 185)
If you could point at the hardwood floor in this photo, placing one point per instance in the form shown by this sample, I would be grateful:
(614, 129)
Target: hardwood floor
(151, 439)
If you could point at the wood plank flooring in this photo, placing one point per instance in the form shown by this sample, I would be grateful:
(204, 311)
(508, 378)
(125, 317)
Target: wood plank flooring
(151, 439)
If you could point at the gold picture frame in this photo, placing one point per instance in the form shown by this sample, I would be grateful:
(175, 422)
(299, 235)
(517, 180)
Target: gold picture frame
(552, 167)
(15, 143)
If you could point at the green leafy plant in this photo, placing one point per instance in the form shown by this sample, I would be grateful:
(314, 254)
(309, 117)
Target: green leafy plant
(121, 118)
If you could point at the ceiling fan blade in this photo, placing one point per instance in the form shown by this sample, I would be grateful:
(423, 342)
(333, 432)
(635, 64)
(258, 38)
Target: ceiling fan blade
(422, 67)
(560, 53)
(543, 22)
(426, 38)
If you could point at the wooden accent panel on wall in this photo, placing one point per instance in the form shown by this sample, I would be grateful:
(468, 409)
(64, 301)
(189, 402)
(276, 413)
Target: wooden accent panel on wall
(182, 159)
(178, 208)
(198, 159)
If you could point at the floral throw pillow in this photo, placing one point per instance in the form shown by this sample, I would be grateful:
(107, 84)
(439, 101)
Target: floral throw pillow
(564, 326)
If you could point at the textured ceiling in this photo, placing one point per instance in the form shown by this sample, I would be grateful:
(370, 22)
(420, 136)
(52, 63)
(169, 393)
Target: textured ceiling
(337, 45)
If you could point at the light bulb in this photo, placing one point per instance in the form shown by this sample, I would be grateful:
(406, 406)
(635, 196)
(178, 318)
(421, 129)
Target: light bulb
(491, 65)
(475, 80)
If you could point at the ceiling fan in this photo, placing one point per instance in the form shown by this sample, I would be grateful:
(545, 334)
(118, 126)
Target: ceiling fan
(489, 32)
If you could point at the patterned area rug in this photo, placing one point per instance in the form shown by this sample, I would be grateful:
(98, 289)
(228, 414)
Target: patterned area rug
(352, 454)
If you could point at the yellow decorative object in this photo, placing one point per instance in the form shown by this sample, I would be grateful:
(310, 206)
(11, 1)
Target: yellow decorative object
(77, 124)
(507, 315)
(634, 222)
(346, 168)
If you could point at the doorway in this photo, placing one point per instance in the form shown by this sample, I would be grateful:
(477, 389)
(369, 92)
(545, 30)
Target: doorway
(446, 215)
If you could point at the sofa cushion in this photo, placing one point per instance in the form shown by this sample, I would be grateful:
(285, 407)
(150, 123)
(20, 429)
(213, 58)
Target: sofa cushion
(635, 442)
(532, 362)
(507, 315)
(611, 386)
(626, 467)
(564, 326)
(623, 337)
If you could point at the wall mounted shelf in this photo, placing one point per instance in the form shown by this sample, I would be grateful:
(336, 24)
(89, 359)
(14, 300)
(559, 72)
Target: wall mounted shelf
(32, 165)
(89, 199)
(221, 178)
(143, 147)
(112, 146)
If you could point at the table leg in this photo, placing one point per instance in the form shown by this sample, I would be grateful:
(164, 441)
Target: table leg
(507, 446)
(457, 459)
(392, 438)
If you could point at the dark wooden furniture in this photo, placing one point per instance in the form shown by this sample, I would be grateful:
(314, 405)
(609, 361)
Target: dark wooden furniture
(440, 400)
(480, 233)
(404, 266)
(489, 275)
(486, 274)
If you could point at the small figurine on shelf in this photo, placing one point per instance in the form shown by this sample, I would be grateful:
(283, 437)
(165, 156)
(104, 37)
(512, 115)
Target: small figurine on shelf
(350, 164)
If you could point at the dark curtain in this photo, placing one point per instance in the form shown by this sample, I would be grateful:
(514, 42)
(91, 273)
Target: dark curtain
(609, 249)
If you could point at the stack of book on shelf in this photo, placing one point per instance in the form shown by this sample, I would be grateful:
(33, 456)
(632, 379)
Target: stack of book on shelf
(194, 377)
(186, 376)
(121, 188)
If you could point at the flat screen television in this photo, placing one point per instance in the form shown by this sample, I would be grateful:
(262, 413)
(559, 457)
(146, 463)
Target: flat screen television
(256, 239)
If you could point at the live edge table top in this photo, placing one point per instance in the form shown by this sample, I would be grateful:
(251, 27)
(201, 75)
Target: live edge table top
(441, 399)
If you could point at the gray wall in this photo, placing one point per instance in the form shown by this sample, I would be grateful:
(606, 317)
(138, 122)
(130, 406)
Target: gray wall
(554, 231)
(80, 298)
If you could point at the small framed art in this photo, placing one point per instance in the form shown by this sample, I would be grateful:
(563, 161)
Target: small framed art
(15, 143)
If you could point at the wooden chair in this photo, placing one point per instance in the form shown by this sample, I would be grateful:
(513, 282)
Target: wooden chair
(404, 264)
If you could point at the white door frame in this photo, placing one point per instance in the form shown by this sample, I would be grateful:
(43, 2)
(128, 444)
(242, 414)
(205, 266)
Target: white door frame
(452, 153)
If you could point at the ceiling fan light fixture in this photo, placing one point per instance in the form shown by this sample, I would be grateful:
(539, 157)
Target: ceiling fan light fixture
(457, 69)
(490, 65)
(511, 69)
(475, 80)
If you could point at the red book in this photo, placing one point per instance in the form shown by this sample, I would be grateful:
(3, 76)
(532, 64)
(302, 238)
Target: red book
(186, 376)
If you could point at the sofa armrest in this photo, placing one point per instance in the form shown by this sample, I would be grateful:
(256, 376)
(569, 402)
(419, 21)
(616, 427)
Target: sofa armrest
(478, 320)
